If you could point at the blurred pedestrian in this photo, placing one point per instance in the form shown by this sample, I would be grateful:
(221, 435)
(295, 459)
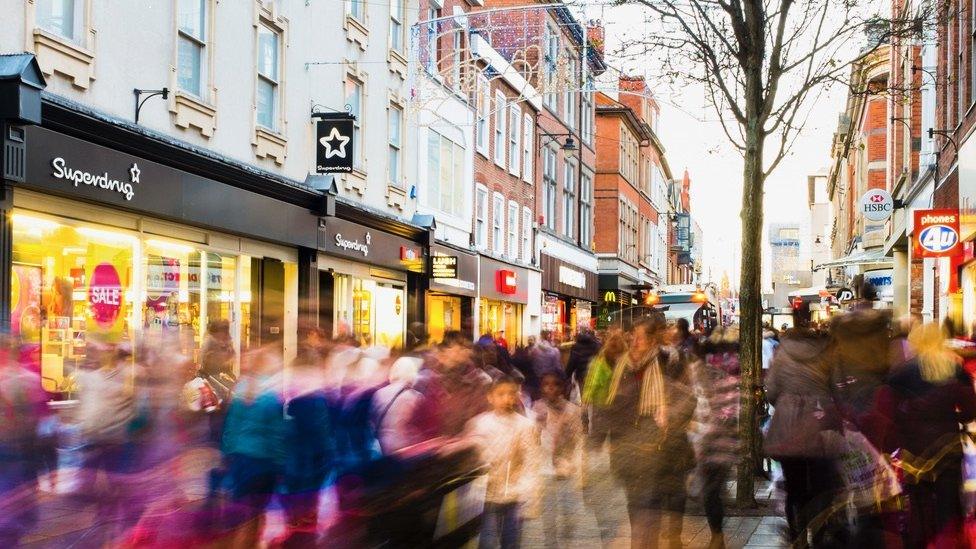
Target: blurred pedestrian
(545, 355)
(451, 387)
(677, 458)
(22, 404)
(929, 397)
(309, 445)
(719, 377)
(253, 443)
(560, 428)
(635, 419)
(581, 353)
(805, 430)
(508, 445)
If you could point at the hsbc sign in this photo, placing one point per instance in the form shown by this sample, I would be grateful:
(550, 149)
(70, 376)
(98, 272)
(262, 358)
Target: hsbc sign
(876, 205)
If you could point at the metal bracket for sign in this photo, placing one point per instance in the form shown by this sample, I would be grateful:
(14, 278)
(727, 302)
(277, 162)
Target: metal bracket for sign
(333, 113)
(152, 93)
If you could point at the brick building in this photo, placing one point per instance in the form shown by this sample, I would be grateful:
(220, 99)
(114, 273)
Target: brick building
(558, 57)
(632, 209)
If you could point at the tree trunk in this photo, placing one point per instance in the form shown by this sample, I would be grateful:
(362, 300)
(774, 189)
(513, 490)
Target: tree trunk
(750, 313)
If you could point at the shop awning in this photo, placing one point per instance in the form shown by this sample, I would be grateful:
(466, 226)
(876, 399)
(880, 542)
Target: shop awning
(869, 257)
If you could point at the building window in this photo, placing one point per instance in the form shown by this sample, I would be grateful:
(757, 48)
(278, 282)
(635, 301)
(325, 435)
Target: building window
(586, 211)
(481, 218)
(569, 197)
(354, 98)
(268, 77)
(527, 234)
(513, 234)
(432, 15)
(588, 113)
(395, 124)
(498, 224)
(571, 95)
(396, 25)
(357, 9)
(445, 174)
(528, 149)
(551, 45)
(549, 188)
(60, 17)
(456, 60)
(500, 115)
(514, 138)
(191, 57)
(484, 111)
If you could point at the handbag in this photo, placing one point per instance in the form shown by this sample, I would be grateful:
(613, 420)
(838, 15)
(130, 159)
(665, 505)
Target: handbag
(803, 427)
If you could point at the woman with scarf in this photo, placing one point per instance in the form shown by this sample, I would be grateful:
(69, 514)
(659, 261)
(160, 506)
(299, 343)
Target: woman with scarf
(635, 419)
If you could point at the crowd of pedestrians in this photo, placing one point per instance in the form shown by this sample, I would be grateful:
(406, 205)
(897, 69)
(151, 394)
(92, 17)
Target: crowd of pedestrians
(361, 446)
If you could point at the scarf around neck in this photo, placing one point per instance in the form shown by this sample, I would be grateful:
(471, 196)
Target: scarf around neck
(652, 400)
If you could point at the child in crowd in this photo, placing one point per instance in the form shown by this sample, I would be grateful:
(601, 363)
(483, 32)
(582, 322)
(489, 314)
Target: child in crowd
(560, 427)
(509, 447)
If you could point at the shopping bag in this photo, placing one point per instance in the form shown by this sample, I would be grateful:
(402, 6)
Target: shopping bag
(968, 473)
(869, 478)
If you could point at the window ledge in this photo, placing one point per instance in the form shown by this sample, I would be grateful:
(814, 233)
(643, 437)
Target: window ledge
(269, 144)
(356, 32)
(397, 63)
(191, 112)
(396, 197)
(59, 55)
(355, 181)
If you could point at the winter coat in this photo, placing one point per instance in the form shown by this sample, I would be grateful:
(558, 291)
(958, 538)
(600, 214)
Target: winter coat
(805, 422)
(580, 355)
(545, 359)
(255, 425)
(718, 375)
(859, 360)
(927, 417)
(308, 436)
(599, 376)
(509, 447)
(677, 456)
(449, 399)
(635, 439)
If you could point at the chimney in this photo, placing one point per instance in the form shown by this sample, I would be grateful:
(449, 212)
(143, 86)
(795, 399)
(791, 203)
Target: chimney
(596, 35)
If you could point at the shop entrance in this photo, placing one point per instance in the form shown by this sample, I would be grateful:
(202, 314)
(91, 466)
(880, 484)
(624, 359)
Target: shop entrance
(369, 311)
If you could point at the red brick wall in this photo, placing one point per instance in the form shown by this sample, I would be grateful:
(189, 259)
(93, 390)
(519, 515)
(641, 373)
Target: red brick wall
(498, 179)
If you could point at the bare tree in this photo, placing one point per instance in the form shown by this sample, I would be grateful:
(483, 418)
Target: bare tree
(762, 64)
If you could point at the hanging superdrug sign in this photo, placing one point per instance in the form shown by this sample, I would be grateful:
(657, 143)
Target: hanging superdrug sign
(334, 143)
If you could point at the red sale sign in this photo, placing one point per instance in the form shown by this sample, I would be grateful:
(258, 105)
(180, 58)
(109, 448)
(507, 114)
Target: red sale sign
(105, 295)
(936, 233)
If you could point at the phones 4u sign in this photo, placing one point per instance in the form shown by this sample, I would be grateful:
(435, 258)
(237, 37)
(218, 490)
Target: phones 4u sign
(334, 143)
(936, 233)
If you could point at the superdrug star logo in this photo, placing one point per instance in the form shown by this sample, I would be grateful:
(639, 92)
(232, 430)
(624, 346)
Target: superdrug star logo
(335, 144)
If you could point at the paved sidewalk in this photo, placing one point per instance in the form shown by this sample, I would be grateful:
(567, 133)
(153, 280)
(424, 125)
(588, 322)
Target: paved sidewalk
(600, 517)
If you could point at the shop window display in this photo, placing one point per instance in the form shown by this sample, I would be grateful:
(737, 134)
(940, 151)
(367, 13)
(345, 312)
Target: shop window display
(71, 286)
(501, 316)
(371, 312)
(74, 285)
(444, 315)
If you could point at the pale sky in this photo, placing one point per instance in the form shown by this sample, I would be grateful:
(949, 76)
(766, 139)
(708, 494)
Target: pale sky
(693, 139)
